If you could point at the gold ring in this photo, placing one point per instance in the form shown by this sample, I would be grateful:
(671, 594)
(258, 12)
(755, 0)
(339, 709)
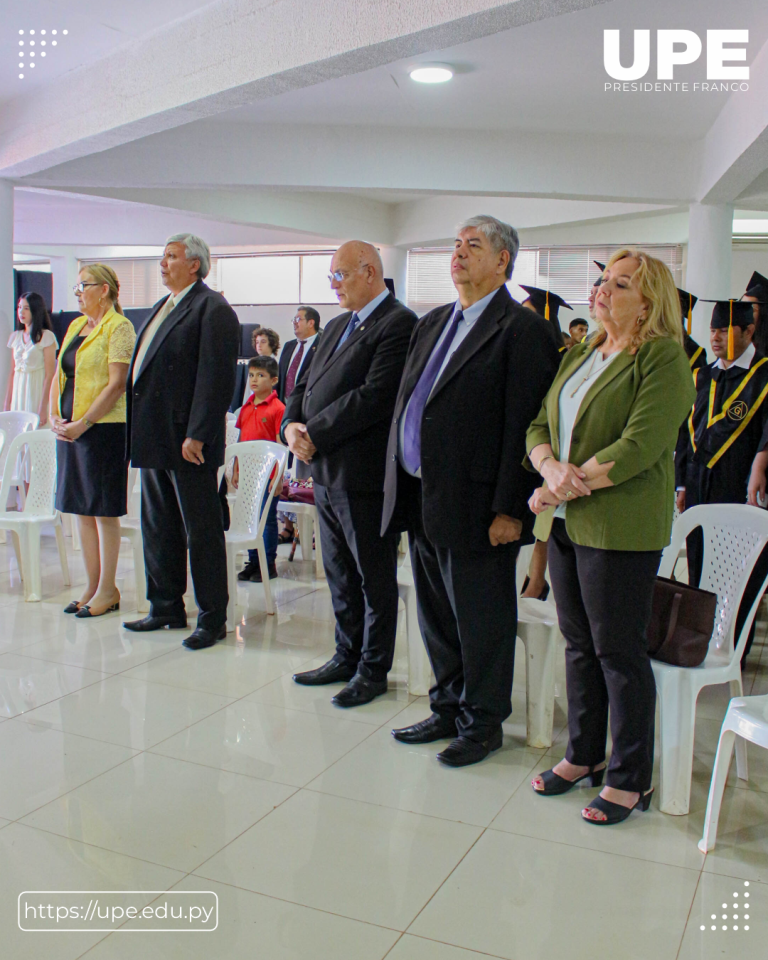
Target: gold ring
(569, 494)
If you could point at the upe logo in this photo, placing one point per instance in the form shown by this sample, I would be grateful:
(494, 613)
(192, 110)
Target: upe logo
(677, 48)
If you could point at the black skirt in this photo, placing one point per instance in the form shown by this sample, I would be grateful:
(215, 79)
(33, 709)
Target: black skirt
(92, 473)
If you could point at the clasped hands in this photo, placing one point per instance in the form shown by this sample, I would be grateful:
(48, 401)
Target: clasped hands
(565, 482)
(67, 430)
(299, 442)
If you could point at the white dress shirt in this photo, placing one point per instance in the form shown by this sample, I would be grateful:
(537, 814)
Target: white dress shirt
(572, 395)
(307, 347)
(471, 315)
(744, 360)
(149, 334)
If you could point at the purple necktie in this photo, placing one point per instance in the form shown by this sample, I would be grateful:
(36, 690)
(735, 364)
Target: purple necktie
(293, 370)
(415, 410)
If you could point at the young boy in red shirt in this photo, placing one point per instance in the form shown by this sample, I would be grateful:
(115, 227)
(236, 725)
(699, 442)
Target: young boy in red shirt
(259, 419)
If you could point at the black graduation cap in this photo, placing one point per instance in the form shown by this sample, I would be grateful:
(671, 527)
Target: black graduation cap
(730, 313)
(687, 303)
(545, 303)
(757, 286)
(602, 271)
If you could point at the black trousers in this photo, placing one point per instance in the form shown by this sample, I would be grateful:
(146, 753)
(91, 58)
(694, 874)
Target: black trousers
(467, 606)
(361, 569)
(180, 511)
(604, 600)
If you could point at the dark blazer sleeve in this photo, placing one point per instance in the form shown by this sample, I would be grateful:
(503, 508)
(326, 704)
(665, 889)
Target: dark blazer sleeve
(532, 363)
(216, 371)
(357, 410)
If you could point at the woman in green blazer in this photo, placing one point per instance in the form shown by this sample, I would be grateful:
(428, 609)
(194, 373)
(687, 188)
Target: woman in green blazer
(603, 443)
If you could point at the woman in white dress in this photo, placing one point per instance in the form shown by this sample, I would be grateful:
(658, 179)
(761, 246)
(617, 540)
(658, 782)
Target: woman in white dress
(34, 349)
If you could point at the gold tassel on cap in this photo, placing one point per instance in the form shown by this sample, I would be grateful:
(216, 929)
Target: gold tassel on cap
(731, 350)
(690, 311)
(546, 307)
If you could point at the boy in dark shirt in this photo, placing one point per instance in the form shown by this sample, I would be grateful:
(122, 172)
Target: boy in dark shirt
(260, 418)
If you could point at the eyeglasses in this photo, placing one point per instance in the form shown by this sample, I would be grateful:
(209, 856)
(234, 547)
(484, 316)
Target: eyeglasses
(340, 275)
(80, 287)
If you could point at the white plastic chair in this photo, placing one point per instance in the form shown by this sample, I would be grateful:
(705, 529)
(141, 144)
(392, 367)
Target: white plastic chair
(39, 509)
(309, 531)
(747, 719)
(256, 461)
(420, 676)
(734, 536)
(538, 630)
(130, 530)
(14, 422)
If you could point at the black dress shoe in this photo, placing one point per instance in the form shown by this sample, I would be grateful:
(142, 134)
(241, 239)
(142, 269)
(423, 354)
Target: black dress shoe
(359, 691)
(463, 751)
(427, 731)
(331, 672)
(201, 638)
(255, 577)
(156, 623)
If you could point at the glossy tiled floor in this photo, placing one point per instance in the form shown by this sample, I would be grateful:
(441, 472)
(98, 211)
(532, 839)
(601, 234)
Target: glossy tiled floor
(129, 763)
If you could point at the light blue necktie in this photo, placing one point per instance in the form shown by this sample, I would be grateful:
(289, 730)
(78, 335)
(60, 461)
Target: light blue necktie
(354, 320)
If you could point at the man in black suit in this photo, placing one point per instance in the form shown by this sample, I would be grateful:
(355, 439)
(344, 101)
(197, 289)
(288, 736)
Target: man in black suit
(179, 386)
(297, 354)
(337, 419)
(476, 375)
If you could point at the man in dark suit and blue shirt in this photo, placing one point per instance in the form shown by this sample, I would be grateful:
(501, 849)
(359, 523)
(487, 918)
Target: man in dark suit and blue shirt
(476, 374)
(180, 383)
(337, 419)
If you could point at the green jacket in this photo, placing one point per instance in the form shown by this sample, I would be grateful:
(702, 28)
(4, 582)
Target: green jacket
(631, 414)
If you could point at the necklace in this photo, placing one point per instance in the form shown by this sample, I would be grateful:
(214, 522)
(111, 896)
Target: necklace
(593, 370)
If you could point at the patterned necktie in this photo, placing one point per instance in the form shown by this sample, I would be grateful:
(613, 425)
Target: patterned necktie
(415, 410)
(351, 326)
(293, 370)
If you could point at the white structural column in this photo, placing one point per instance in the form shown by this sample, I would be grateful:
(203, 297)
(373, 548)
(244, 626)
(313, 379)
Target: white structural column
(395, 262)
(7, 292)
(64, 273)
(710, 239)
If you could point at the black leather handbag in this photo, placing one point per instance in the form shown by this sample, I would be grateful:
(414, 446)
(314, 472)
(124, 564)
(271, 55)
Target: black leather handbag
(682, 622)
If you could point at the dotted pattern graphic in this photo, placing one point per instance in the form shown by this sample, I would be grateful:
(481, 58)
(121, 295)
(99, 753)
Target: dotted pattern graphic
(34, 44)
(743, 916)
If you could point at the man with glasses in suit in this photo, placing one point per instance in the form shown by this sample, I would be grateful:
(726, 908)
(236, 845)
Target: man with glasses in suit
(337, 419)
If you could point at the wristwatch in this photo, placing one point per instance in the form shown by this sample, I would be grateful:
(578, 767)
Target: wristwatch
(88, 423)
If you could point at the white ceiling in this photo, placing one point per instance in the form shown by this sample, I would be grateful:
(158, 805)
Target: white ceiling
(544, 76)
(97, 28)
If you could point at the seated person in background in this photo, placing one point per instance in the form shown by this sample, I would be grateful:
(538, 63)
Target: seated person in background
(259, 419)
(266, 342)
(578, 329)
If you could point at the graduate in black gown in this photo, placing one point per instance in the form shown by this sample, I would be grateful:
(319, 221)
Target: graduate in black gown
(757, 295)
(719, 458)
(696, 355)
(547, 305)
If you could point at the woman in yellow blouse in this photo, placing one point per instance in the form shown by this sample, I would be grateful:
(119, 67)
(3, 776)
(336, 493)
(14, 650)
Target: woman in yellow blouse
(88, 417)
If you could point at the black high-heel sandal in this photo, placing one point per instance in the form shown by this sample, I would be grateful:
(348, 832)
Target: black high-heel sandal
(616, 812)
(555, 785)
(542, 596)
(85, 611)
